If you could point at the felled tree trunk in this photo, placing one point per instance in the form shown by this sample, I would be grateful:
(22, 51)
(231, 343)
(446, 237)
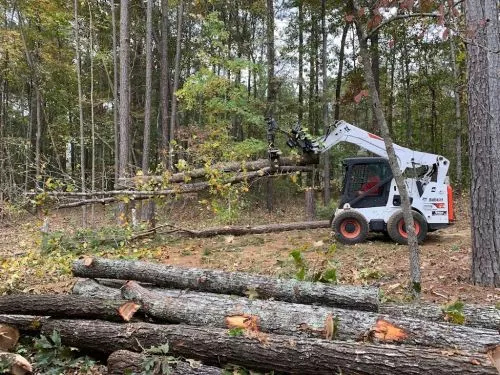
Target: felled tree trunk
(217, 281)
(140, 181)
(24, 323)
(259, 351)
(257, 229)
(67, 306)
(475, 316)
(127, 362)
(208, 309)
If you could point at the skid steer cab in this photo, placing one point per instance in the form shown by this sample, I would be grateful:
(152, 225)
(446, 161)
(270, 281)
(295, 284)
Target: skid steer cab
(370, 200)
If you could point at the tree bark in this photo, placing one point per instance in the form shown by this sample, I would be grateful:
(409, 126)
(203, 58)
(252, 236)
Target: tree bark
(310, 204)
(487, 317)
(271, 85)
(80, 107)
(217, 281)
(268, 352)
(324, 56)
(127, 362)
(414, 253)
(301, 60)
(164, 83)
(177, 73)
(62, 306)
(148, 207)
(338, 85)
(115, 94)
(483, 87)
(458, 118)
(124, 101)
(24, 323)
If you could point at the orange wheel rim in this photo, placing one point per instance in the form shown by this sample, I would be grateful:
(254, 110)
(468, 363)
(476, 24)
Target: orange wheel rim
(350, 228)
(402, 228)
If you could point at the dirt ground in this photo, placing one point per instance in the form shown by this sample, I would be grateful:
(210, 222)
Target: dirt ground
(445, 255)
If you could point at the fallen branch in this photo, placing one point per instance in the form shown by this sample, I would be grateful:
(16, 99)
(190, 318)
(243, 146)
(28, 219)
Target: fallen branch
(238, 283)
(259, 351)
(127, 362)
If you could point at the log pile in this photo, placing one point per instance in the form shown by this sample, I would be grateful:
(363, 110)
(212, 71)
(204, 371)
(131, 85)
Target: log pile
(214, 318)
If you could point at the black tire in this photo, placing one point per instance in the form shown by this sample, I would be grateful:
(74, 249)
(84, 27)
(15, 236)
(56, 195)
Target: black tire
(397, 231)
(350, 227)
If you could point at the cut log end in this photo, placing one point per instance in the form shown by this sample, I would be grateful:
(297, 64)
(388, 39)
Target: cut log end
(387, 332)
(9, 336)
(127, 310)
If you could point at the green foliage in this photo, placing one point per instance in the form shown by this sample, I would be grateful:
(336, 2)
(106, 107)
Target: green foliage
(234, 332)
(53, 358)
(157, 360)
(250, 148)
(85, 240)
(325, 212)
(324, 271)
(454, 312)
(4, 366)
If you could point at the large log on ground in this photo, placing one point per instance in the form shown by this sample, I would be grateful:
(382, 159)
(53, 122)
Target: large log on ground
(236, 230)
(259, 351)
(475, 316)
(217, 281)
(67, 306)
(255, 165)
(222, 311)
(25, 323)
(127, 362)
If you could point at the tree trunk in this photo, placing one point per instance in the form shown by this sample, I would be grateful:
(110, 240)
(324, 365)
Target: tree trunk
(164, 84)
(310, 204)
(92, 117)
(458, 118)
(303, 320)
(338, 84)
(267, 352)
(250, 166)
(271, 85)
(238, 283)
(375, 57)
(301, 60)
(324, 56)
(124, 102)
(64, 306)
(148, 206)
(483, 65)
(487, 317)
(177, 73)
(127, 362)
(415, 278)
(115, 93)
(80, 108)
